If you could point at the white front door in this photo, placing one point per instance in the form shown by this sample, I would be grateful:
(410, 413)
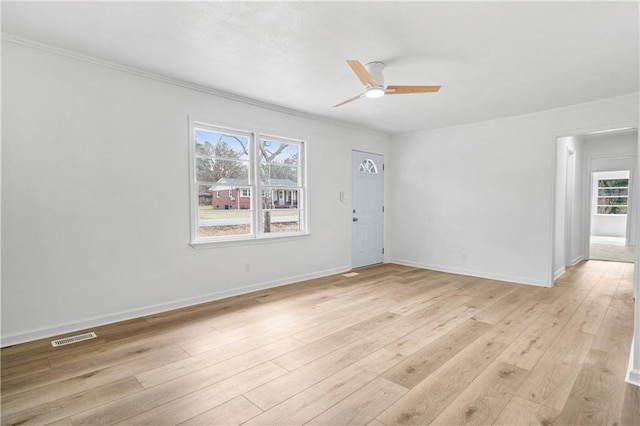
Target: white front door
(368, 189)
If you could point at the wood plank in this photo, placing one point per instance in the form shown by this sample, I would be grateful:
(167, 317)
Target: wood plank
(16, 355)
(631, 406)
(311, 402)
(592, 311)
(598, 393)
(502, 307)
(52, 391)
(15, 370)
(354, 317)
(614, 335)
(526, 413)
(251, 314)
(423, 403)
(276, 391)
(233, 412)
(363, 405)
(552, 379)
(550, 295)
(62, 422)
(206, 398)
(510, 327)
(427, 360)
(423, 336)
(217, 364)
(62, 408)
(150, 401)
(104, 358)
(298, 357)
(489, 293)
(270, 330)
(152, 340)
(483, 400)
(529, 347)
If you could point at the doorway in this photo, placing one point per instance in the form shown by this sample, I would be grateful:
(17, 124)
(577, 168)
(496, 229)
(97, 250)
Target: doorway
(610, 206)
(578, 159)
(368, 210)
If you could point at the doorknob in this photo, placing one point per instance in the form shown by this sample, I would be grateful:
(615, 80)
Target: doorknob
(355, 219)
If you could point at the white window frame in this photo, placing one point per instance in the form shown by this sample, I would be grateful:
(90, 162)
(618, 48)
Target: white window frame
(254, 186)
(598, 196)
(245, 192)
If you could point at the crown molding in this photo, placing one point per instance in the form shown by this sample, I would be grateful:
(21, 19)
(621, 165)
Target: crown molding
(12, 38)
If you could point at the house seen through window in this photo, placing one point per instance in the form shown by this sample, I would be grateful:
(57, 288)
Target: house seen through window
(247, 185)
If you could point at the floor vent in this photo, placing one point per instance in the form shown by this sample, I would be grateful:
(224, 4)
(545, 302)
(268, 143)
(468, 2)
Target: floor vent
(350, 274)
(73, 339)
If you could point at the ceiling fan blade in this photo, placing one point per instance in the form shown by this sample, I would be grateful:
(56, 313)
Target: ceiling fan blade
(401, 90)
(362, 73)
(355, 98)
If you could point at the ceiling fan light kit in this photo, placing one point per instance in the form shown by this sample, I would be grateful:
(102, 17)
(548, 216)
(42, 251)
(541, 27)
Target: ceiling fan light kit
(374, 92)
(372, 78)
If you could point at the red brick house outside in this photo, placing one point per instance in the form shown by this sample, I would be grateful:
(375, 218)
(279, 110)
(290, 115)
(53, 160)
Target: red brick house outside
(233, 194)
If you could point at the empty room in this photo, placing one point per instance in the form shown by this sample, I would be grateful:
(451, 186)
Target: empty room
(323, 213)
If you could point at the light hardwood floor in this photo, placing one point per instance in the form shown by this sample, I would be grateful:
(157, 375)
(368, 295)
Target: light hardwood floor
(392, 345)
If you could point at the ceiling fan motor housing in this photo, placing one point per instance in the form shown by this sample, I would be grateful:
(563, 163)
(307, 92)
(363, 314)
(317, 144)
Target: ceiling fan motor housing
(375, 69)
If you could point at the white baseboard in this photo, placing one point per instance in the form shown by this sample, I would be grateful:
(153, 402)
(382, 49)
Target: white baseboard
(72, 326)
(577, 260)
(557, 274)
(472, 273)
(633, 375)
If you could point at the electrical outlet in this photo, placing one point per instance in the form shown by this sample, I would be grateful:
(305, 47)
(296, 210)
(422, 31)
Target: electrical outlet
(464, 256)
(246, 267)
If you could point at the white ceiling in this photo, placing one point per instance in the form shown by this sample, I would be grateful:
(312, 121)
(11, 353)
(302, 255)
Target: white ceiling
(493, 59)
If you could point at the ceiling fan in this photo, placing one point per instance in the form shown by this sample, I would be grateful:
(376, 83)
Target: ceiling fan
(371, 76)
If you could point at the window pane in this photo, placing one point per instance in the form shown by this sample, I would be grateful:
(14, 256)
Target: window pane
(613, 191)
(368, 166)
(284, 220)
(278, 152)
(612, 209)
(212, 170)
(613, 182)
(276, 175)
(221, 222)
(280, 198)
(612, 201)
(215, 144)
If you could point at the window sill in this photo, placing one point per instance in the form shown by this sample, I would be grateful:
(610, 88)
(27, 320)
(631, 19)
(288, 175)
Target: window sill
(203, 245)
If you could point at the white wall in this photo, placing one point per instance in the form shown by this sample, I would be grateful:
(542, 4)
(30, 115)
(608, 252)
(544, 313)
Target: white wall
(486, 190)
(95, 196)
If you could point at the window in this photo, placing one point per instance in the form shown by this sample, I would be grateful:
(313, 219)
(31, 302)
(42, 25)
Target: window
(613, 196)
(368, 166)
(265, 173)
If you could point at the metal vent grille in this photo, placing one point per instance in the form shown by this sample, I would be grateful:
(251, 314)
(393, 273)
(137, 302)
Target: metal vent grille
(73, 339)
